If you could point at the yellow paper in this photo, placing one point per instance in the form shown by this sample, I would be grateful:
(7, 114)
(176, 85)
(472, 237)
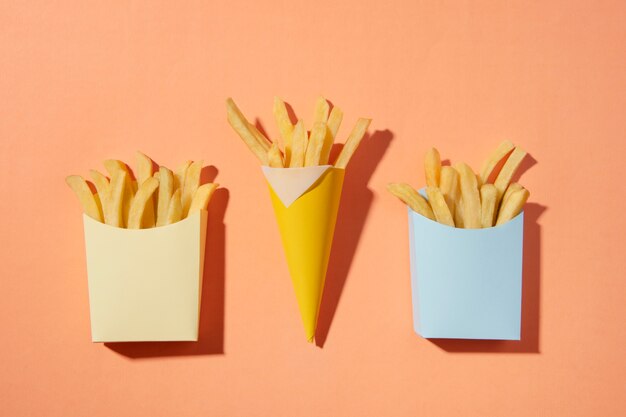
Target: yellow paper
(306, 227)
(145, 285)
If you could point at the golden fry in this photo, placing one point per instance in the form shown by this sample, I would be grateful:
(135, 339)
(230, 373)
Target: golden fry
(137, 209)
(514, 205)
(498, 154)
(192, 181)
(89, 201)
(298, 145)
(144, 171)
(321, 110)
(239, 123)
(412, 198)
(113, 166)
(334, 121)
(488, 195)
(284, 126)
(175, 209)
(471, 197)
(260, 137)
(113, 211)
(508, 170)
(510, 190)
(316, 144)
(274, 157)
(102, 185)
(179, 176)
(439, 206)
(202, 197)
(166, 189)
(352, 142)
(458, 212)
(449, 185)
(432, 167)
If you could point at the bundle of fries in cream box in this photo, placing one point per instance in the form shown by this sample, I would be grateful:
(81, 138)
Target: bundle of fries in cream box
(150, 199)
(458, 197)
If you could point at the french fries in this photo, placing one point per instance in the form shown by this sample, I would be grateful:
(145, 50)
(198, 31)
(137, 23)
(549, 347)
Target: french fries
(458, 197)
(498, 154)
(412, 199)
(513, 206)
(487, 204)
(295, 148)
(352, 142)
(119, 203)
(316, 144)
(439, 206)
(470, 196)
(89, 201)
(432, 167)
(508, 170)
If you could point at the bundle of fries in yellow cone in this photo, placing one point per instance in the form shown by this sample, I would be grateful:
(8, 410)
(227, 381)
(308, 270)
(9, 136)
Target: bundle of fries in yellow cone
(305, 188)
(458, 197)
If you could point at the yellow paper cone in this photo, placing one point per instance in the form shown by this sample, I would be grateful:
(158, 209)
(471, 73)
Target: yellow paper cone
(306, 228)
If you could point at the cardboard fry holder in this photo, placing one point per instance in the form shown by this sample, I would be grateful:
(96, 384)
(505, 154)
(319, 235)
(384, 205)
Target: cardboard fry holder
(466, 283)
(145, 285)
(306, 201)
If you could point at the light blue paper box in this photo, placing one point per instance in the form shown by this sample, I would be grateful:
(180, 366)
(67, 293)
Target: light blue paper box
(466, 283)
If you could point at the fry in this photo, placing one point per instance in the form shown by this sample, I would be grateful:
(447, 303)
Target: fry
(192, 181)
(334, 121)
(488, 195)
(496, 156)
(513, 206)
(439, 207)
(144, 171)
(113, 166)
(102, 185)
(412, 198)
(316, 144)
(202, 197)
(89, 201)
(352, 142)
(284, 126)
(321, 110)
(115, 199)
(137, 208)
(458, 212)
(166, 189)
(298, 145)
(470, 195)
(508, 170)
(449, 185)
(432, 167)
(239, 123)
(175, 209)
(274, 157)
(260, 137)
(179, 176)
(510, 190)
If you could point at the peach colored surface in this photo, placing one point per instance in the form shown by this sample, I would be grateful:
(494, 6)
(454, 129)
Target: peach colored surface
(81, 82)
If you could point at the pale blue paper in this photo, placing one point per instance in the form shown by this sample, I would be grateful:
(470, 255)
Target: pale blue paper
(466, 283)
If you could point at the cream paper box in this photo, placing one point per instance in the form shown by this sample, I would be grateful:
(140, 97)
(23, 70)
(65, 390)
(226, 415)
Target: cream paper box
(145, 285)
(306, 201)
(466, 283)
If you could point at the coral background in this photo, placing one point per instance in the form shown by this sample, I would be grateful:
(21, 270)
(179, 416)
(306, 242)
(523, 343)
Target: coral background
(85, 81)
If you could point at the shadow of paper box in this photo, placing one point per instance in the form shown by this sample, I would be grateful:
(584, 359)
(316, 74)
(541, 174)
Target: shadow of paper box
(145, 285)
(466, 283)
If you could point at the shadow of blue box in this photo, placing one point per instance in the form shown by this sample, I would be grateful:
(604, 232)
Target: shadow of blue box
(466, 283)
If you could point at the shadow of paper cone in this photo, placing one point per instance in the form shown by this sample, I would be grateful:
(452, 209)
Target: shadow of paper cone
(307, 225)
